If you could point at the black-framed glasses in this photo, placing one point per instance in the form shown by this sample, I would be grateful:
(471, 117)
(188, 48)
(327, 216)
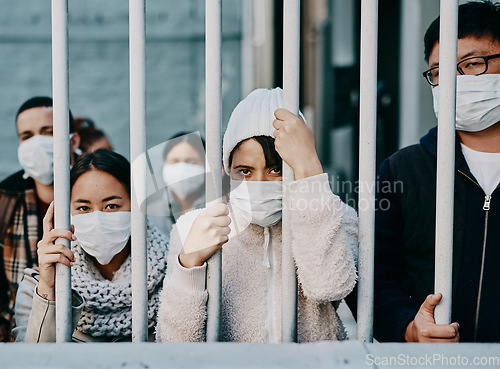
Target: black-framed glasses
(473, 66)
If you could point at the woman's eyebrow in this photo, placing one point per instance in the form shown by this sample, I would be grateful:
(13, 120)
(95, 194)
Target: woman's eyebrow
(84, 201)
(243, 167)
(114, 197)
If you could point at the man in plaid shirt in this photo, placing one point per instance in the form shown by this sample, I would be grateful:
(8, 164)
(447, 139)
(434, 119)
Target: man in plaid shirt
(24, 199)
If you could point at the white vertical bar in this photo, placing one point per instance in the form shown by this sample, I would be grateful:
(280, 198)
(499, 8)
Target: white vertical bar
(410, 76)
(367, 151)
(137, 49)
(291, 62)
(60, 92)
(213, 123)
(446, 157)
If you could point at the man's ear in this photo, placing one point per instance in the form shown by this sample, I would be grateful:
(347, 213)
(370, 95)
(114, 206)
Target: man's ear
(74, 142)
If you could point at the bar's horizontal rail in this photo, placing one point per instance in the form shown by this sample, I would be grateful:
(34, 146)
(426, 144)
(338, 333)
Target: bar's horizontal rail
(347, 354)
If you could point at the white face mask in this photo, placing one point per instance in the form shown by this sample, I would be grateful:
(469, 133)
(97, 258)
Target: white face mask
(183, 179)
(478, 102)
(260, 202)
(36, 156)
(102, 234)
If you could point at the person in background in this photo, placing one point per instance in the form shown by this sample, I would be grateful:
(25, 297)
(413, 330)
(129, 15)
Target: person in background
(99, 258)
(183, 174)
(91, 137)
(25, 196)
(405, 222)
(324, 234)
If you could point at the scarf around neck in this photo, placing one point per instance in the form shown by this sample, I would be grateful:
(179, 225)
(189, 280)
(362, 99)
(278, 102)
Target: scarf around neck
(108, 308)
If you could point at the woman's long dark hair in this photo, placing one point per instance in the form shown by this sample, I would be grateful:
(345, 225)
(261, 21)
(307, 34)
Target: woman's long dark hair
(106, 160)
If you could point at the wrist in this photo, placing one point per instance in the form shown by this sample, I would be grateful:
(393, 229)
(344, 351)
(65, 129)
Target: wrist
(188, 260)
(307, 169)
(409, 336)
(46, 292)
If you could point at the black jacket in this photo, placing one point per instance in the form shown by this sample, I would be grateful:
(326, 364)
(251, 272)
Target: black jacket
(404, 245)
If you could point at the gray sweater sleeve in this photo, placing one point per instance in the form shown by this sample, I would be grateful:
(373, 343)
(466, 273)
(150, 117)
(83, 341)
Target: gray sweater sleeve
(36, 316)
(324, 239)
(182, 313)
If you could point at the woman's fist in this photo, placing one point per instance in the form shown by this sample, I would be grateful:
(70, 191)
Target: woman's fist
(208, 233)
(294, 142)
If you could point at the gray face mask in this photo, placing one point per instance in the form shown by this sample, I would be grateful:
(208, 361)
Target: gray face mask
(478, 102)
(260, 202)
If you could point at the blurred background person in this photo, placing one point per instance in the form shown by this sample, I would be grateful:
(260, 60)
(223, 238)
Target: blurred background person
(91, 137)
(183, 173)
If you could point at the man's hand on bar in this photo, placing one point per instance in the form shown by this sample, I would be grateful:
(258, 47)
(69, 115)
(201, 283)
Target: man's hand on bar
(424, 329)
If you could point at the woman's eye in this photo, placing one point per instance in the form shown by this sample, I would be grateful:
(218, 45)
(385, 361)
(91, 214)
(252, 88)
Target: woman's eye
(112, 206)
(244, 172)
(83, 208)
(276, 171)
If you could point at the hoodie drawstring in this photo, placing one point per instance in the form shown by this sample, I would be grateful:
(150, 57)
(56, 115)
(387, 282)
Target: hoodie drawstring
(267, 238)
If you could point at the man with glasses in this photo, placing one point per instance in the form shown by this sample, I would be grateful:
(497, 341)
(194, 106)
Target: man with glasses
(24, 199)
(405, 233)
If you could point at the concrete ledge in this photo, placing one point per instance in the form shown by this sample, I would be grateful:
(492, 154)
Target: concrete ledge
(347, 354)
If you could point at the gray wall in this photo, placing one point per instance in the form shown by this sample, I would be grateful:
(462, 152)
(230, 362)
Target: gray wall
(99, 75)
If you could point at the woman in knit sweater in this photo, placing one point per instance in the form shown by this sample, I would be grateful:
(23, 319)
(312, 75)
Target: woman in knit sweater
(99, 259)
(324, 237)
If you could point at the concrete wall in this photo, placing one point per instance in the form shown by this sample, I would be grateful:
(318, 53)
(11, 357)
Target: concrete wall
(99, 75)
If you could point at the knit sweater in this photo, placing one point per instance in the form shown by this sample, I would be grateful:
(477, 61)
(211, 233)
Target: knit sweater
(324, 246)
(101, 308)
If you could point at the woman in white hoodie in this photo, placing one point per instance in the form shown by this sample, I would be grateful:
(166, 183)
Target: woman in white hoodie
(324, 237)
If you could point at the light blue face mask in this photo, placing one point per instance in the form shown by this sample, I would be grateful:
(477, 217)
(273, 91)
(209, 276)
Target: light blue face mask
(102, 234)
(478, 102)
(183, 179)
(36, 156)
(260, 202)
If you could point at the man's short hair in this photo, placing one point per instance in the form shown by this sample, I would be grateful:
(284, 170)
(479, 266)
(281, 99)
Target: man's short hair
(475, 19)
(43, 102)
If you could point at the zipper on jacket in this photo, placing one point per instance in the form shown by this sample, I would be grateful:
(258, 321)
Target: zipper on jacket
(487, 202)
(486, 208)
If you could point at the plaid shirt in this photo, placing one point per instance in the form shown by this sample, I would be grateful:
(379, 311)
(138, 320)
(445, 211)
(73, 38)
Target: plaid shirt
(19, 232)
